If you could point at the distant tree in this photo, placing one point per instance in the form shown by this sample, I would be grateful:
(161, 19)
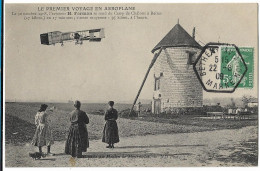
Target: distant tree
(246, 99)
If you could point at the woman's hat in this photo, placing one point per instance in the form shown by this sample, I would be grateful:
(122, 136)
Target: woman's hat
(77, 104)
(43, 107)
(111, 103)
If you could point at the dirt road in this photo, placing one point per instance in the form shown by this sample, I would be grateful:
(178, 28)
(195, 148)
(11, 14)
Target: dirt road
(233, 147)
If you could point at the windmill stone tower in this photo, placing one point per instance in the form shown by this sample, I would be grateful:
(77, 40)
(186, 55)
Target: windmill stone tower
(175, 83)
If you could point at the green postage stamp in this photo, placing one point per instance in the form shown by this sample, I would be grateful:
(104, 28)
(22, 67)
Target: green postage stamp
(224, 67)
(231, 66)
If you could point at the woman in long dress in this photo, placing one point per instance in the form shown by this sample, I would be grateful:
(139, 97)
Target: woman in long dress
(43, 133)
(110, 132)
(77, 141)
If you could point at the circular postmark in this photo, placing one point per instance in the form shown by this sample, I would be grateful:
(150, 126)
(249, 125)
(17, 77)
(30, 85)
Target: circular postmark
(220, 67)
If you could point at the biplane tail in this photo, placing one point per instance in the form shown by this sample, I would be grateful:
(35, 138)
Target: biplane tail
(44, 39)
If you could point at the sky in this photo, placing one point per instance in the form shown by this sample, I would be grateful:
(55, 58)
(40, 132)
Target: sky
(114, 68)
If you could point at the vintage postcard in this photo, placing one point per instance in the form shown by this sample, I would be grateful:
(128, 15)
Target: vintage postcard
(132, 85)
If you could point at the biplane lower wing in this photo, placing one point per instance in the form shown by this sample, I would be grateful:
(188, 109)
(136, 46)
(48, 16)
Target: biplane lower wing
(95, 40)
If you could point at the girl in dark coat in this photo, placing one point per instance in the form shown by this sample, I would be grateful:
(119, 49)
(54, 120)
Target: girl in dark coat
(110, 132)
(77, 141)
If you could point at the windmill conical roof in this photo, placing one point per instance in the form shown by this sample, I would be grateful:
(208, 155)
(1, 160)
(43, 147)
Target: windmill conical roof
(177, 37)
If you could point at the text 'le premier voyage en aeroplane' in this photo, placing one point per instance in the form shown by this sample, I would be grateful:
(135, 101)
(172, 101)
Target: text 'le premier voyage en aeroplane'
(51, 38)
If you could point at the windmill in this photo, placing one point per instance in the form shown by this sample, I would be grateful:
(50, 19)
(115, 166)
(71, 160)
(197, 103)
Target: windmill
(175, 83)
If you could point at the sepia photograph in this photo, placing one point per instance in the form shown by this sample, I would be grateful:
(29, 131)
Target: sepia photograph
(130, 85)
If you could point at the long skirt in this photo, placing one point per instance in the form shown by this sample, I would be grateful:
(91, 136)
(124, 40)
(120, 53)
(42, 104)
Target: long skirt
(110, 133)
(77, 141)
(43, 136)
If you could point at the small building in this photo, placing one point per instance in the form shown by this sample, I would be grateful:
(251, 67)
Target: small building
(252, 104)
(175, 82)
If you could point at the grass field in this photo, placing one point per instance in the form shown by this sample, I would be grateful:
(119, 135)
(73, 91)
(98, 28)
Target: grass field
(19, 120)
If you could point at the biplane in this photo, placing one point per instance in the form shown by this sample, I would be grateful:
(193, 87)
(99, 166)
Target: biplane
(51, 38)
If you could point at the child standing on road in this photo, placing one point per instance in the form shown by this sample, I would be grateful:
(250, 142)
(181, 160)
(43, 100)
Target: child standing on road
(43, 133)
